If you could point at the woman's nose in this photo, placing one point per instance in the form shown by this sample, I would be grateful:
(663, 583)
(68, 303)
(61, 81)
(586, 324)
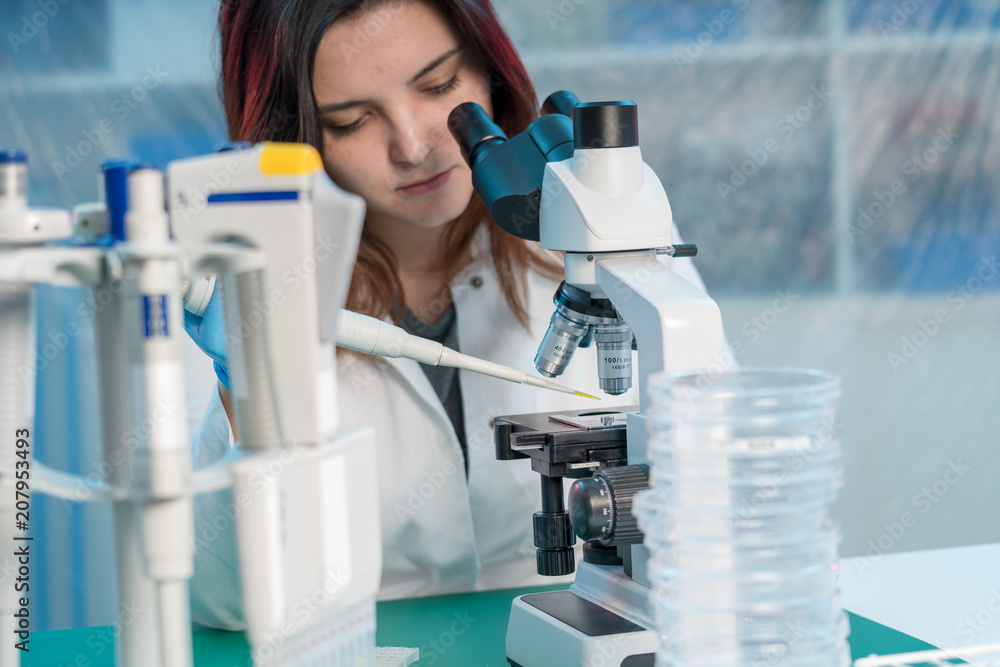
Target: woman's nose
(414, 139)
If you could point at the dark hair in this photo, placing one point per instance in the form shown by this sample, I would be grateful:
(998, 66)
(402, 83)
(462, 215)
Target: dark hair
(268, 50)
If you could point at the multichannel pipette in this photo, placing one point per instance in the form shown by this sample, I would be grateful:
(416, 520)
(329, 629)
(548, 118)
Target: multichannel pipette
(372, 336)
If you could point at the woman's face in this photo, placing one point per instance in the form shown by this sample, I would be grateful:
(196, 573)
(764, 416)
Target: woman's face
(385, 82)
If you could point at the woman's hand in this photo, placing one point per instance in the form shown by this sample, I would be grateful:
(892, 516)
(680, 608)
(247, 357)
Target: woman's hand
(208, 331)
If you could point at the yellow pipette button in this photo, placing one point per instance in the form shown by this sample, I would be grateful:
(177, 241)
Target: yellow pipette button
(286, 159)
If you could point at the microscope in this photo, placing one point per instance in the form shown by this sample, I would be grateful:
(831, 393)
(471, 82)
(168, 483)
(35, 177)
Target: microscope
(575, 181)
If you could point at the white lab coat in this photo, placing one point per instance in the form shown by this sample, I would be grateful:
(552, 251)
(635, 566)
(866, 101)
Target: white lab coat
(441, 533)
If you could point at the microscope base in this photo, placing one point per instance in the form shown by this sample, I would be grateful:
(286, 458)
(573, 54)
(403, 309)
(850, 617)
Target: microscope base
(561, 629)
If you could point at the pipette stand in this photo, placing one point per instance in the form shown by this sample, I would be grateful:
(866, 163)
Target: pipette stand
(101, 269)
(312, 519)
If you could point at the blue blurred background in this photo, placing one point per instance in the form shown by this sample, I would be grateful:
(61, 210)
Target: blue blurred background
(839, 156)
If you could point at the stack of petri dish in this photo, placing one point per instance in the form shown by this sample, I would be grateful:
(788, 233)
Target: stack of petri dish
(743, 557)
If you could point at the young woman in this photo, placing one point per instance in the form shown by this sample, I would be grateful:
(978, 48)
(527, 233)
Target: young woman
(370, 84)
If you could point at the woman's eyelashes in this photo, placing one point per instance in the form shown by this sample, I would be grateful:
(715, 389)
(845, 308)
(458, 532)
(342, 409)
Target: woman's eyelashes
(445, 87)
(343, 130)
(346, 129)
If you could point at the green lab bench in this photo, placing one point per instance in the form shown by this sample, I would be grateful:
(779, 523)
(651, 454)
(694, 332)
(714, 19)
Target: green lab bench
(463, 630)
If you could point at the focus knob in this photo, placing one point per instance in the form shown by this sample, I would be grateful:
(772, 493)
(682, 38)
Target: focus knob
(601, 507)
(555, 562)
(554, 539)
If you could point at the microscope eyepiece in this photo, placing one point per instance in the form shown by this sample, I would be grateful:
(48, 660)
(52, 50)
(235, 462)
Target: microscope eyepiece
(561, 102)
(606, 125)
(473, 129)
(508, 174)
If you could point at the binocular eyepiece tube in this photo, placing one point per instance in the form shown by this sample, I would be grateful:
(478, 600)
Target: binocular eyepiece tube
(474, 130)
(508, 175)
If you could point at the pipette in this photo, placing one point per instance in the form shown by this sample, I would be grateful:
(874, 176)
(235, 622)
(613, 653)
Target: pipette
(372, 336)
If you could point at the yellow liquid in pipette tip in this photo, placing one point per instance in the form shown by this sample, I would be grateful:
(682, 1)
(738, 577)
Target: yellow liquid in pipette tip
(567, 390)
(544, 383)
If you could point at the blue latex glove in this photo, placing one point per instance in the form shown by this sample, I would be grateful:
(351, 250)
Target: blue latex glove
(209, 332)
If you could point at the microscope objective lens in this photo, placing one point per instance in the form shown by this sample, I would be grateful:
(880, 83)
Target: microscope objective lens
(560, 342)
(614, 357)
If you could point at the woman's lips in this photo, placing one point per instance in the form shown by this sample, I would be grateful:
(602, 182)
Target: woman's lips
(430, 185)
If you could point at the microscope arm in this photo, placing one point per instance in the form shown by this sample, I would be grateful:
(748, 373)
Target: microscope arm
(676, 325)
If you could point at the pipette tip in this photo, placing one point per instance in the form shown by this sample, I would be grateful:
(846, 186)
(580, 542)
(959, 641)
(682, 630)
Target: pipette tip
(536, 381)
